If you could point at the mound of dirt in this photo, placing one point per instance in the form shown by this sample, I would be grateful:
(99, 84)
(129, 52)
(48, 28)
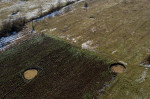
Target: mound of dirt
(118, 69)
(30, 74)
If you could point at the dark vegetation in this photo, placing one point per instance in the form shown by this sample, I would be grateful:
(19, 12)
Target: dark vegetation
(66, 71)
(148, 59)
(12, 26)
(86, 5)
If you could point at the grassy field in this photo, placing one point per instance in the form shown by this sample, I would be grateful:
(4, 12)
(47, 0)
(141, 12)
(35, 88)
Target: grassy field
(113, 29)
(122, 28)
(66, 71)
(117, 28)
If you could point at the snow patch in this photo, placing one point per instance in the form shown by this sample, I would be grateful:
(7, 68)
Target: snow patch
(68, 37)
(74, 40)
(44, 30)
(145, 65)
(6, 40)
(56, 13)
(32, 14)
(123, 62)
(49, 15)
(87, 45)
(93, 29)
(143, 76)
(30, 9)
(65, 37)
(113, 52)
(53, 29)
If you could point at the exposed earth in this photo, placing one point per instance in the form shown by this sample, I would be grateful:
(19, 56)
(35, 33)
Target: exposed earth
(30, 74)
(117, 69)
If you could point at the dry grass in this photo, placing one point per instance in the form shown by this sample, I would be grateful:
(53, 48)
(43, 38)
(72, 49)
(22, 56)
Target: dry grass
(120, 30)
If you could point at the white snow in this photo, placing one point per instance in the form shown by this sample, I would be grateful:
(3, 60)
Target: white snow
(44, 30)
(70, 38)
(143, 76)
(145, 65)
(6, 40)
(113, 52)
(62, 36)
(53, 29)
(87, 45)
(93, 29)
(74, 40)
(123, 62)
(32, 14)
(25, 7)
(45, 7)
(67, 37)
(29, 9)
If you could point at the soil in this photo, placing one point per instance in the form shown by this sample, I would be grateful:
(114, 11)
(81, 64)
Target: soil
(30, 74)
(118, 69)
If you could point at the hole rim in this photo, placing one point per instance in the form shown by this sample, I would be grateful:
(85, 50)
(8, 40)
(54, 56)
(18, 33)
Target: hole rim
(30, 68)
(114, 64)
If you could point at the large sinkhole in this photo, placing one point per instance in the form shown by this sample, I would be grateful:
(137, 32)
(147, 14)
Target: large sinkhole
(30, 73)
(117, 68)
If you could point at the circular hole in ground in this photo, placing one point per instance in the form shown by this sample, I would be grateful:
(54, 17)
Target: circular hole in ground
(31, 73)
(117, 68)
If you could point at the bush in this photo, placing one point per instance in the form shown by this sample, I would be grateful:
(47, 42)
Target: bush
(148, 59)
(12, 26)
